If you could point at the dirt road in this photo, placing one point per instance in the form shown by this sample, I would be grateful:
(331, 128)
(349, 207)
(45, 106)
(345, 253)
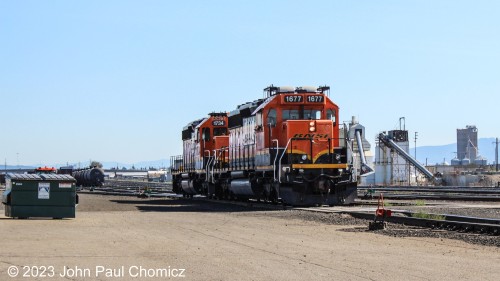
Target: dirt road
(128, 237)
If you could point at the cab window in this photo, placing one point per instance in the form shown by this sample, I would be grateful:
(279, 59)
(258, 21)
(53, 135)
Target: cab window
(330, 115)
(205, 134)
(220, 132)
(271, 117)
(312, 114)
(290, 114)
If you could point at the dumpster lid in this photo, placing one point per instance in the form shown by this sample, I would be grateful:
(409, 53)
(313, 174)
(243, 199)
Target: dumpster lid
(56, 177)
(16, 176)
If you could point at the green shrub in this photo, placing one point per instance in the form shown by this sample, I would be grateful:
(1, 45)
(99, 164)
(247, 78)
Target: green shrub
(420, 202)
(422, 215)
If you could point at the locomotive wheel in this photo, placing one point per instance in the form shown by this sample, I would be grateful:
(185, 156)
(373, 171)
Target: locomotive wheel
(273, 197)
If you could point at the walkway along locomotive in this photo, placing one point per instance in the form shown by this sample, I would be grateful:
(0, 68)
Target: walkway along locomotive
(285, 147)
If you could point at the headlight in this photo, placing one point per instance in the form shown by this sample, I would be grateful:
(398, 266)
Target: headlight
(304, 157)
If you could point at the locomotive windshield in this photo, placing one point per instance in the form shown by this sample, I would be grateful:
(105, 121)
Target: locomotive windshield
(292, 114)
(312, 114)
(307, 114)
(220, 132)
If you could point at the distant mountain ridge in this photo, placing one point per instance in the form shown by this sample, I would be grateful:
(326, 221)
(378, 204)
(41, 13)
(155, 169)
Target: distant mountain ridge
(425, 154)
(440, 153)
(162, 163)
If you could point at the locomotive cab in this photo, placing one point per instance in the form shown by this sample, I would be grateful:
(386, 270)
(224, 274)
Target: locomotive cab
(302, 143)
(202, 141)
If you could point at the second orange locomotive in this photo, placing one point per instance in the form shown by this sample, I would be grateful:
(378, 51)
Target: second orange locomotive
(285, 147)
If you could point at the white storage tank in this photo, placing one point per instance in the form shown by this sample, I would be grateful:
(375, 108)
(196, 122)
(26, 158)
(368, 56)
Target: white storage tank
(481, 161)
(455, 162)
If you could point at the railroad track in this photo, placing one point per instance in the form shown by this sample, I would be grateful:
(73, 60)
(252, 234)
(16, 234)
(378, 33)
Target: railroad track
(131, 188)
(435, 221)
(432, 193)
(396, 193)
(445, 222)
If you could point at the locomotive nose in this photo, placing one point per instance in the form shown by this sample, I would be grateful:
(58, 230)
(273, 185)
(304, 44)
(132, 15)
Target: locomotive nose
(309, 139)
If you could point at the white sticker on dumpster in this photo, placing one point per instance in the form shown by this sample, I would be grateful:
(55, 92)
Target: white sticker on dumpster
(43, 190)
(64, 185)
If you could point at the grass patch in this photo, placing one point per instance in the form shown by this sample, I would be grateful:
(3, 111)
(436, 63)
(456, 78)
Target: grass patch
(420, 203)
(387, 204)
(422, 215)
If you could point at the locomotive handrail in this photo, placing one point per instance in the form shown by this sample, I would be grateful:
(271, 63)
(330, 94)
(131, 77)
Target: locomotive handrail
(282, 154)
(275, 158)
(214, 160)
(213, 165)
(235, 149)
(207, 178)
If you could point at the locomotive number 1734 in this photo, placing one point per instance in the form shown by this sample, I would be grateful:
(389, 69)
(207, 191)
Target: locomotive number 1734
(218, 123)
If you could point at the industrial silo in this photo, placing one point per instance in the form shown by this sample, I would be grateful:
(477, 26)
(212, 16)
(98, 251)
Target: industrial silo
(481, 161)
(455, 162)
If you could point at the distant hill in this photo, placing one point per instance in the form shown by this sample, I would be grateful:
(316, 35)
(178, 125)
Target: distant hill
(436, 154)
(425, 154)
(162, 163)
(13, 167)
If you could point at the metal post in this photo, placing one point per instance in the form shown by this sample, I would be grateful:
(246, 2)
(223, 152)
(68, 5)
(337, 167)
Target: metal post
(416, 135)
(496, 155)
(404, 126)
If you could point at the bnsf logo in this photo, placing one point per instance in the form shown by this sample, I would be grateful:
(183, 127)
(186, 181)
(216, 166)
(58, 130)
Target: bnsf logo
(313, 136)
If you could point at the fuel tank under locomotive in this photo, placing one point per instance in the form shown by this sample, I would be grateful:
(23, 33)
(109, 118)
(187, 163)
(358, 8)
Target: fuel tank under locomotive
(243, 188)
(189, 184)
(91, 177)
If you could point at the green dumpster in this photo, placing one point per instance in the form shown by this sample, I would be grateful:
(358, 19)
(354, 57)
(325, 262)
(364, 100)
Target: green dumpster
(39, 195)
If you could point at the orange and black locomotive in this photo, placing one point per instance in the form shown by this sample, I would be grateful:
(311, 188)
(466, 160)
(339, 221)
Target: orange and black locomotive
(287, 147)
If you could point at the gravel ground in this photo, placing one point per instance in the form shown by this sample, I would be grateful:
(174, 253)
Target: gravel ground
(492, 213)
(227, 241)
(459, 208)
(127, 203)
(221, 241)
(395, 230)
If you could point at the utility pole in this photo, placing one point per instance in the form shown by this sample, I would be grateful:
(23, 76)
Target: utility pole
(496, 155)
(17, 153)
(416, 135)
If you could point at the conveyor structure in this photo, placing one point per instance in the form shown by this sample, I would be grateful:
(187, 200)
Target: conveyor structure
(386, 140)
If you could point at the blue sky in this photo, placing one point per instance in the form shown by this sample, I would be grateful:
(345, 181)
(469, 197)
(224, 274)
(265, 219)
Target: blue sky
(117, 80)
